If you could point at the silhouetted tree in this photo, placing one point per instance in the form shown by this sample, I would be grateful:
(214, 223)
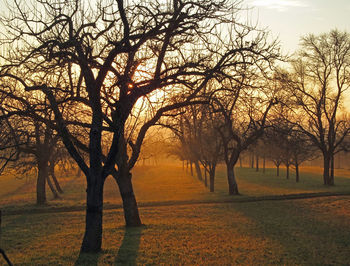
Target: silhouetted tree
(317, 85)
(187, 126)
(112, 55)
(9, 143)
(244, 121)
(210, 146)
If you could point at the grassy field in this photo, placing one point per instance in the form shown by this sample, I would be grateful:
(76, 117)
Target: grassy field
(289, 232)
(171, 184)
(304, 232)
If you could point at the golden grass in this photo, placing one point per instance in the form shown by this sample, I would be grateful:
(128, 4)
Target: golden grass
(169, 183)
(306, 232)
(299, 232)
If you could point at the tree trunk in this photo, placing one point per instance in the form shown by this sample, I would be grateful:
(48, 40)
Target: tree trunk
(131, 211)
(252, 160)
(331, 177)
(191, 168)
(278, 169)
(232, 183)
(257, 163)
(198, 170)
(211, 178)
(51, 186)
(326, 164)
(52, 173)
(205, 178)
(264, 163)
(41, 182)
(287, 170)
(297, 172)
(240, 162)
(92, 240)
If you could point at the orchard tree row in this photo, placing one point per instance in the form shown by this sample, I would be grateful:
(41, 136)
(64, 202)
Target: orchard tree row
(91, 79)
(288, 115)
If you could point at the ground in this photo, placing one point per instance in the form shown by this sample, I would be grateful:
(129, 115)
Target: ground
(191, 229)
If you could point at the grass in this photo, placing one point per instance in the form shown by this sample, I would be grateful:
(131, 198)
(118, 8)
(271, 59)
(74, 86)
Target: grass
(299, 232)
(170, 184)
(290, 232)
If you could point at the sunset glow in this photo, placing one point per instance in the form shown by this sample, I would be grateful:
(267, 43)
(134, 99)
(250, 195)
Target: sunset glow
(174, 132)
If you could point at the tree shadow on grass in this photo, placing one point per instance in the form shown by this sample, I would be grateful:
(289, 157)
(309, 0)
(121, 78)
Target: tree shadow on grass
(304, 235)
(129, 248)
(88, 259)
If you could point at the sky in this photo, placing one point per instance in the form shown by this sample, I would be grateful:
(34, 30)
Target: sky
(290, 19)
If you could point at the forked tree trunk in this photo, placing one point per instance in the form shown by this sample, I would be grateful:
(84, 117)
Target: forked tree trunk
(41, 182)
(198, 170)
(92, 240)
(232, 183)
(278, 170)
(131, 212)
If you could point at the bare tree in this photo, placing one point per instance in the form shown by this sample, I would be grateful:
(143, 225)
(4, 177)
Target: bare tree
(187, 125)
(318, 84)
(238, 134)
(301, 150)
(114, 54)
(244, 101)
(9, 143)
(288, 145)
(210, 145)
(195, 129)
